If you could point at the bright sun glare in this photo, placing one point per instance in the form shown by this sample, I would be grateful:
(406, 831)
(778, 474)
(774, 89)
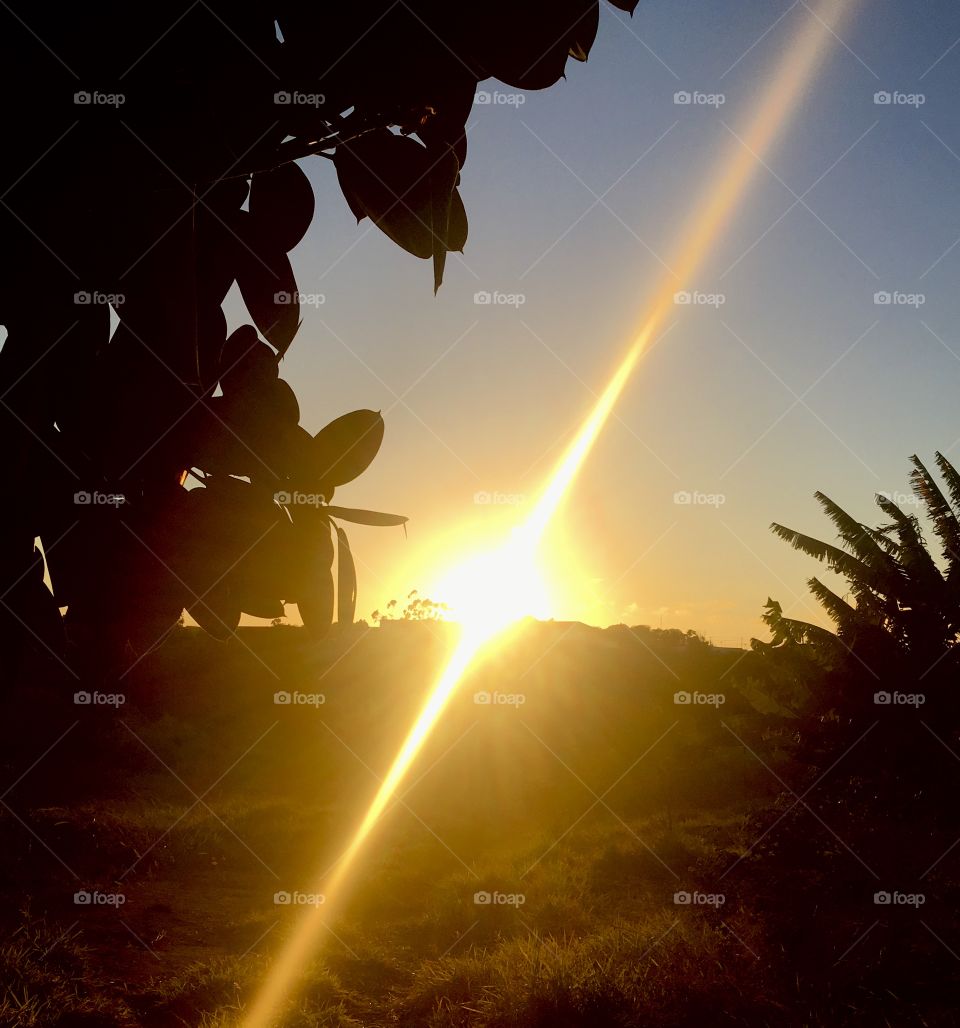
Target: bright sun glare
(492, 589)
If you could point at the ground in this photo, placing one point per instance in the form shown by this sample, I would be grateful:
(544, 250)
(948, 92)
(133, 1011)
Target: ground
(586, 799)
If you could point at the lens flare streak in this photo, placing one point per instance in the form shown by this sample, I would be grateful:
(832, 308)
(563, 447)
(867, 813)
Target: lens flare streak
(706, 222)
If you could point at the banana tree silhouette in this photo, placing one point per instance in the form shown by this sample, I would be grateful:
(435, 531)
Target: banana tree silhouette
(871, 709)
(898, 626)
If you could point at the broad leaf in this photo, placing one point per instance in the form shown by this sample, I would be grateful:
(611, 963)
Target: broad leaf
(282, 204)
(387, 177)
(346, 447)
(346, 580)
(444, 172)
(268, 287)
(315, 600)
(217, 613)
(244, 358)
(367, 517)
(457, 224)
(446, 125)
(584, 33)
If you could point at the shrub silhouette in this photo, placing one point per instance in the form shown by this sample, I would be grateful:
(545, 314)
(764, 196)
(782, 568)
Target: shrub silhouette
(150, 166)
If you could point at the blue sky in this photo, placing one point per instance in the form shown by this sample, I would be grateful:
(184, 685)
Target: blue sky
(798, 381)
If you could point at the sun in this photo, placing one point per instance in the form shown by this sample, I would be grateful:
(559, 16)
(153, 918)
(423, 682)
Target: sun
(494, 588)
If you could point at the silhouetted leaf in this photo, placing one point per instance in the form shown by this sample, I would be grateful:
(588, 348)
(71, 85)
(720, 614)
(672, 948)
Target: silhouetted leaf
(227, 550)
(267, 572)
(529, 49)
(208, 552)
(346, 447)
(245, 359)
(282, 203)
(262, 418)
(227, 195)
(259, 605)
(282, 402)
(387, 177)
(216, 251)
(457, 224)
(444, 171)
(210, 441)
(77, 370)
(211, 338)
(366, 517)
(34, 605)
(316, 605)
(407, 190)
(356, 208)
(315, 597)
(302, 462)
(346, 580)
(268, 287)
(217, 613)
(585, 33)
(446, 126)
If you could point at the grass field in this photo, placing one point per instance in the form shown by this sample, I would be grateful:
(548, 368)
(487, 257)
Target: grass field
(533, 870)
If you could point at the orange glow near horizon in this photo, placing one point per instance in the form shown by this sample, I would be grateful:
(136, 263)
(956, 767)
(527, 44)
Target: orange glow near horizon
(487, 608)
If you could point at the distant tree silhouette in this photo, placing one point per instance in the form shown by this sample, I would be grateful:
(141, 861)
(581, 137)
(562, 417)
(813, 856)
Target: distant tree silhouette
(417, 608)
(894, 656)
(905, 609)
(149, 166)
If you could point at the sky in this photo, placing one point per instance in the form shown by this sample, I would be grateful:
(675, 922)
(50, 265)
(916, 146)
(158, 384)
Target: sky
(784, 376)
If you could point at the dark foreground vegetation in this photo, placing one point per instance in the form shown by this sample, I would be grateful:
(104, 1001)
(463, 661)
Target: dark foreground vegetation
(661, 839)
